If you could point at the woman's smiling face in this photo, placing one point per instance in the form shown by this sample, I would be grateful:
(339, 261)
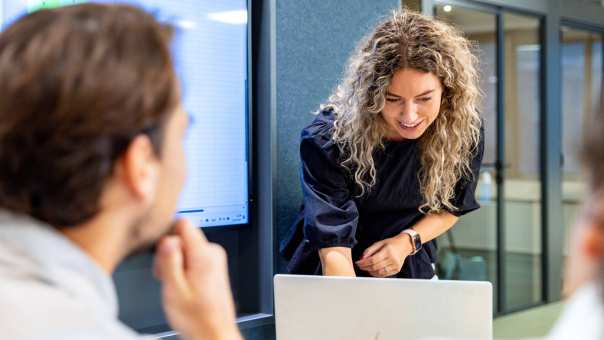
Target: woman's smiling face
(412, 103)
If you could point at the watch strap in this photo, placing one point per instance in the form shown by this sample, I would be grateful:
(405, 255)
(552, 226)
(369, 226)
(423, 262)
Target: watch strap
(415, 240)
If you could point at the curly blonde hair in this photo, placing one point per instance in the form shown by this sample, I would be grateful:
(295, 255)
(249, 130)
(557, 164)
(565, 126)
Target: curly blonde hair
(407, 39)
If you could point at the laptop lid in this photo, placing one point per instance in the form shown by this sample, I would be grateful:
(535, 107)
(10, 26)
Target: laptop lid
(345, 308)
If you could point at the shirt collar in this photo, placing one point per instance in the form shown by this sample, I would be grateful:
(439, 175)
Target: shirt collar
(52, 258)
(583, 316)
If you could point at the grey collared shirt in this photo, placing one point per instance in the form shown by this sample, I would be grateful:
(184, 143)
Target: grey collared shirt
(583, 316)
(50, 289)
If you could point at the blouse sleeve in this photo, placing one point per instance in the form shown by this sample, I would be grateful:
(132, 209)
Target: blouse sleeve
(465, 191)
(330, 213)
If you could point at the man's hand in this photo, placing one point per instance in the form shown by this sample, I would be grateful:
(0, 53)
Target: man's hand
(196, 291)
(386, 258)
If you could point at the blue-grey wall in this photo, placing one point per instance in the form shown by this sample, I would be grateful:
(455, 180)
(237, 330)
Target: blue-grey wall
(314, 41)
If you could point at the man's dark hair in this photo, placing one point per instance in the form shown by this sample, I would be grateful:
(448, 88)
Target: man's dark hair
(593, 150)
(77, 84)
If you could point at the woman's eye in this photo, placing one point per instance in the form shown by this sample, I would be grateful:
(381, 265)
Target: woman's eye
(392, 100)
(425, 99)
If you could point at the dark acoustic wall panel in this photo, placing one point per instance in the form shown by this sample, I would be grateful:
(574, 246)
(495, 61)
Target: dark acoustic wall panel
(139, 292)
(314, 41)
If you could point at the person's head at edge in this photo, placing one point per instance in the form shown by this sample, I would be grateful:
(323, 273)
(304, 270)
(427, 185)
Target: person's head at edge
(586, 261)
(583, 314)
(412, 77)
(91, 127)
(91, 144)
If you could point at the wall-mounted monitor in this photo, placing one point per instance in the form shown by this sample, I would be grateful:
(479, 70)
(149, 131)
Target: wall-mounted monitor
(211, 58)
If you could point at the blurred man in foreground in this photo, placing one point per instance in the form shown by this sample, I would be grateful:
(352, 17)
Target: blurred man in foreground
(583, 317)
(91, 167)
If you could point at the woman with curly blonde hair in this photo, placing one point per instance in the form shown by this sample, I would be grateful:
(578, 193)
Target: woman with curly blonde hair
(392, 159)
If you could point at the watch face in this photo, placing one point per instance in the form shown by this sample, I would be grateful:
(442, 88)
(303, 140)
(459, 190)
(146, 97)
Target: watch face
(417, 241)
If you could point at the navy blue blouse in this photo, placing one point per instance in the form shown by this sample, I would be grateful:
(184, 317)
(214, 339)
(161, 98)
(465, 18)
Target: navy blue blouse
(333, 216)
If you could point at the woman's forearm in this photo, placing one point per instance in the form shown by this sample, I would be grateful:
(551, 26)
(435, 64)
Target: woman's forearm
(336, 261)
(434, 225)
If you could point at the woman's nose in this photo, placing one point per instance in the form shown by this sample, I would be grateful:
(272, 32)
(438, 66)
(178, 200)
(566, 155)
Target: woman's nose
(409, 112)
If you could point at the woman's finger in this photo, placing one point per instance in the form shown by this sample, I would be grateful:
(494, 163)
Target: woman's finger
(378, 256)
(372, 249)
(383, 272)
(375, 265)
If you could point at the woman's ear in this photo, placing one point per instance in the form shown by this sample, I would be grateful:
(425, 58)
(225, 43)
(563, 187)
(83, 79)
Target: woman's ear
(140, 168)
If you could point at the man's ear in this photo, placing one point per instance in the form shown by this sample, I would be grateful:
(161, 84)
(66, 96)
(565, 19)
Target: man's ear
(139, 168)
(593, 242)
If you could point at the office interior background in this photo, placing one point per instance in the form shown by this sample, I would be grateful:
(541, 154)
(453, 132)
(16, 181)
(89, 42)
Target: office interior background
(541, 66)
(541, 74)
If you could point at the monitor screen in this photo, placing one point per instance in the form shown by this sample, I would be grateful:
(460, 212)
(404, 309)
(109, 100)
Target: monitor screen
(210, 56)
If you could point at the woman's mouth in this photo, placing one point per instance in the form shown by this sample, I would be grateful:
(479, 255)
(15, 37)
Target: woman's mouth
(409, 125)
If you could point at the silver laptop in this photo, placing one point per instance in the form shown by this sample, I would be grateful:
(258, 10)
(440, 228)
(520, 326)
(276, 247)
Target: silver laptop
(343, 308)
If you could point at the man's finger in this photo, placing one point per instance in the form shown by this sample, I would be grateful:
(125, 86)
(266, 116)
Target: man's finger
(169, 264)
(194, 242)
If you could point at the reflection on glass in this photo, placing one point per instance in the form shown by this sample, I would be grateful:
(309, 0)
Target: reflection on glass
(468, 251)
(522, 180)
(581, 88)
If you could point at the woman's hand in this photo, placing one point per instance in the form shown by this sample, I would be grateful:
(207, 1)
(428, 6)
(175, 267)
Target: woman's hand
(386, 258)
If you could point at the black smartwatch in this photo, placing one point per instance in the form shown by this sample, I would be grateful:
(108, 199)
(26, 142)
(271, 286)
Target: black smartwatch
(415, 240)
